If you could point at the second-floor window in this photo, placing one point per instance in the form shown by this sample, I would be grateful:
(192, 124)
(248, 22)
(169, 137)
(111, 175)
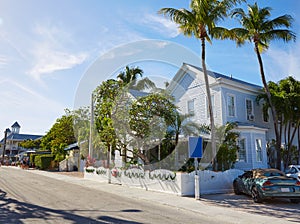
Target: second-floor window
(249, 110)
(231, 105)
(191, 107)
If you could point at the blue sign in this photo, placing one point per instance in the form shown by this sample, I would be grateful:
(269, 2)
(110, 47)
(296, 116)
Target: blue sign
(195, 147)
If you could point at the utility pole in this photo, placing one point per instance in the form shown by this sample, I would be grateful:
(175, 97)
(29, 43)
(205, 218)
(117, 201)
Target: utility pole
(4, 145)
(91, 127)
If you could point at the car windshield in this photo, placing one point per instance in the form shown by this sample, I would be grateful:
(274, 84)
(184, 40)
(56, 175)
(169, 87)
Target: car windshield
(272, 174)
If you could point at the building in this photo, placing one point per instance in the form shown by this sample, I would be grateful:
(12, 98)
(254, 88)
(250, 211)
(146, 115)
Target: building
(13, 139)
(233, 101)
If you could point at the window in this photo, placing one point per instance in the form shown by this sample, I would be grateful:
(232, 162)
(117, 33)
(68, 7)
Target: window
(231, 105)
(266, 116)
(249, 110)
(241, 156)
(191, 107)
(258, 150)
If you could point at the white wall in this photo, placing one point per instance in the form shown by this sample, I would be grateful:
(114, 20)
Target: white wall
(182, 184)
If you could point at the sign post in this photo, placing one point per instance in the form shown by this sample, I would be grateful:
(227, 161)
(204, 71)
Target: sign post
(195, 151)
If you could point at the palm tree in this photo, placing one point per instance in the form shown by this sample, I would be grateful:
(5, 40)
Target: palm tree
(259, 29)
(200, 22)
(129, 77)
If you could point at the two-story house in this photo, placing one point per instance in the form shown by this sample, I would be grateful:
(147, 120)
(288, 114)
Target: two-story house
(13, 138)
(233, 101)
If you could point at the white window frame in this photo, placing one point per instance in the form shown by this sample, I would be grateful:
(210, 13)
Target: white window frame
(234, 105)
(244, 150)
(189, 111)
(258, 149)
(248, 112)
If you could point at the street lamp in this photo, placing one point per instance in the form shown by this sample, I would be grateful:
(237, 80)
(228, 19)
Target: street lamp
(4, 144)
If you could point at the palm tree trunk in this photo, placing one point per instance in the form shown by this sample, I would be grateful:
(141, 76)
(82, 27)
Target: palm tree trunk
(274, 114)
(210, 109)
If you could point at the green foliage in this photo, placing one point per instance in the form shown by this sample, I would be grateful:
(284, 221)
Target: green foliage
(227, 152)
(285, 96)
(106, 94)
(60, 135)
(43, 161)
(32, 158)
(31, 144)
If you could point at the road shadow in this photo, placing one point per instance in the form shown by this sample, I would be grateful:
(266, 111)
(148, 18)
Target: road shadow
(279, 208)
(16, 212)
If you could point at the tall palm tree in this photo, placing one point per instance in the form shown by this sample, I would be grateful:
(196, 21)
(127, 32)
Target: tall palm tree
(258, 28)
(200, 22)
(130, 75)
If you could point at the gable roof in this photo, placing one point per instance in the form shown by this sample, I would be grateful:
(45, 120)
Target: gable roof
(137, 94)
(218, 75)
(16, 125)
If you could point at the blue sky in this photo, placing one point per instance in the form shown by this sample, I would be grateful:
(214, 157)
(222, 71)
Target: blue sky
(46, 48)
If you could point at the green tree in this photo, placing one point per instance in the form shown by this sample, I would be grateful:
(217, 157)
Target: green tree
(129, 78)
(285, 96)
(150, 117)
(200, 22)
(257, 27)
(31, 144)
(105, 96)
(59, 136)
(227, 141)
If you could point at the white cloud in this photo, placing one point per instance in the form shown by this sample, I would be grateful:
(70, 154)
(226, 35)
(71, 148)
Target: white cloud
(283, 63)
(161, 25)
(3, 60)
(50, 52)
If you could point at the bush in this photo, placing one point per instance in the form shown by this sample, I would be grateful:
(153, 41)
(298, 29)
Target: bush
(43, 161)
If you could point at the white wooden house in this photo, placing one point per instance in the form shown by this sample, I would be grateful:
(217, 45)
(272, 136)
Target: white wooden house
(233, 101)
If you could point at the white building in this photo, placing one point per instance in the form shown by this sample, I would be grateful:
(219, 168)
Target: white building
(233, 101)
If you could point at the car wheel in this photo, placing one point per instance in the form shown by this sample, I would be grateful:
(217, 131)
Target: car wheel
(256, 195)
(236, 188)
(296, 201)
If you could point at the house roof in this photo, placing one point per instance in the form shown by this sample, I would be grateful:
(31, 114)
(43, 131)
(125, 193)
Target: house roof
(218, 75)
(72, 146)
(21, 137)
(137, 94)
(16, 125)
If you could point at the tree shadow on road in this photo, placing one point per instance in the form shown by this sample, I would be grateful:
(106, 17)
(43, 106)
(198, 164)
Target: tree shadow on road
(279, 208)
(14, 211)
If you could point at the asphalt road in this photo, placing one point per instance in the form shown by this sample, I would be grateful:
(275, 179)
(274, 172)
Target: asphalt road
(26, 197)
(32, 196)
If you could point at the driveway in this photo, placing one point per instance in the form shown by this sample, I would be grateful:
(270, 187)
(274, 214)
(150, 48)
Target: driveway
(279, 208)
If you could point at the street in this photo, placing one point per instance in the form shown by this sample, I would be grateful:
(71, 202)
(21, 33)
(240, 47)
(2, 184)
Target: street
(26, 197)
(32, 196)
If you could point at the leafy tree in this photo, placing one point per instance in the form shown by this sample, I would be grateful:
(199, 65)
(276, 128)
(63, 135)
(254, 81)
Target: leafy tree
(200, 22)
(227, 139)
(31, 144)
(106, 94)
(150, 117)
(59, 136)
(257, 27)
(285, 96)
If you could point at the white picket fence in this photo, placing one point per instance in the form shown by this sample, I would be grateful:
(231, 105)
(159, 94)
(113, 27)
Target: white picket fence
(178, 183)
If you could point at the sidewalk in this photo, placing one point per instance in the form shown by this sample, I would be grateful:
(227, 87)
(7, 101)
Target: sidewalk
(182, 203)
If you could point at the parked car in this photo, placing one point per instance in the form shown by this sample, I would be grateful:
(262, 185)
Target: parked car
(267, 183)
(293, 171)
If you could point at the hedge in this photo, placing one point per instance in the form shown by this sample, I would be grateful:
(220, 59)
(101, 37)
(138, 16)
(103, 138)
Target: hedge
(43, 161)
